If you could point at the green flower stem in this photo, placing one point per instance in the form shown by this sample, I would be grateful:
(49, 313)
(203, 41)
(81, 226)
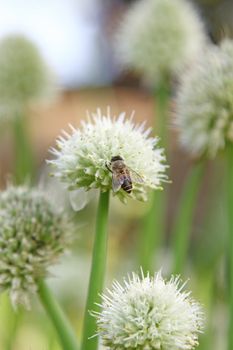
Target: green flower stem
(154, 221)
(162, 100)
(184, 217)
(230, 241)
(151, 235)
(207, 289)
(24, 159)
(65, 333)
(97, 274)
(10, 318)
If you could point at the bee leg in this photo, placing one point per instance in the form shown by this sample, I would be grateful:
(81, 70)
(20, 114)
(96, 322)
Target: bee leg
(106, 164)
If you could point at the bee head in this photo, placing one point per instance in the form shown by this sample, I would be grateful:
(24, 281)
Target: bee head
(115, 158)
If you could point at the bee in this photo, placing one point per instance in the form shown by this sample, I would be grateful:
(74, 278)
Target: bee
(122, 175)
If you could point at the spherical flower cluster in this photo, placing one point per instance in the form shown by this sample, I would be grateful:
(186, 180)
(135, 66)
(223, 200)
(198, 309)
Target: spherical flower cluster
(24, 76)
(149, 313)
(83, 158)
(159, 37)
(32, 236)
(204, 104)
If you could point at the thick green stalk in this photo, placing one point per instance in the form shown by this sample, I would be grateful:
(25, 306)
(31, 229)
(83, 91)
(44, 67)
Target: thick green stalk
(10, 318)
(230, 241)
(154, 221)
(96, 281)
(161, 123)
(151, 234)
(24, 159)
(184, 217)
(65, 333)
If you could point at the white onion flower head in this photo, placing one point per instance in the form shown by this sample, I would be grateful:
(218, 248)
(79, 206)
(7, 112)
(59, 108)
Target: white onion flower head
(81, 158)
(149, 313)
(24, 75)
(33, 234)
(204, 103)
(159, 37)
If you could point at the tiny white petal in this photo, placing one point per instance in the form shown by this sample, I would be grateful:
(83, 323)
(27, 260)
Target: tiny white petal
(80, 198)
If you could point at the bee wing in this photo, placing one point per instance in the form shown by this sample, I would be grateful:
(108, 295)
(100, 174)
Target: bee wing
(117, 181)
(135, 176)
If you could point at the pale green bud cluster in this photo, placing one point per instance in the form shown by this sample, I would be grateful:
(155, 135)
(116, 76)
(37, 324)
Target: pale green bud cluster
(33, 234)
(24, 75)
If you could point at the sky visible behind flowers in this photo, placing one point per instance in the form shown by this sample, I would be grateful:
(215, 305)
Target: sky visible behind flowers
(74, 35)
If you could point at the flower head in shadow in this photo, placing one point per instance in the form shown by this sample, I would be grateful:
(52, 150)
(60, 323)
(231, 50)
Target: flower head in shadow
(33, 234)
(159, 37)
(204, 103)
(24, 75)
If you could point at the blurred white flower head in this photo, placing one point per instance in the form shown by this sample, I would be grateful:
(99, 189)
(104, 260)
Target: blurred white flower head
(149, 313)
(82, 159)
(33, 234)
(204, 103)
(159, 37)
(24, 75)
